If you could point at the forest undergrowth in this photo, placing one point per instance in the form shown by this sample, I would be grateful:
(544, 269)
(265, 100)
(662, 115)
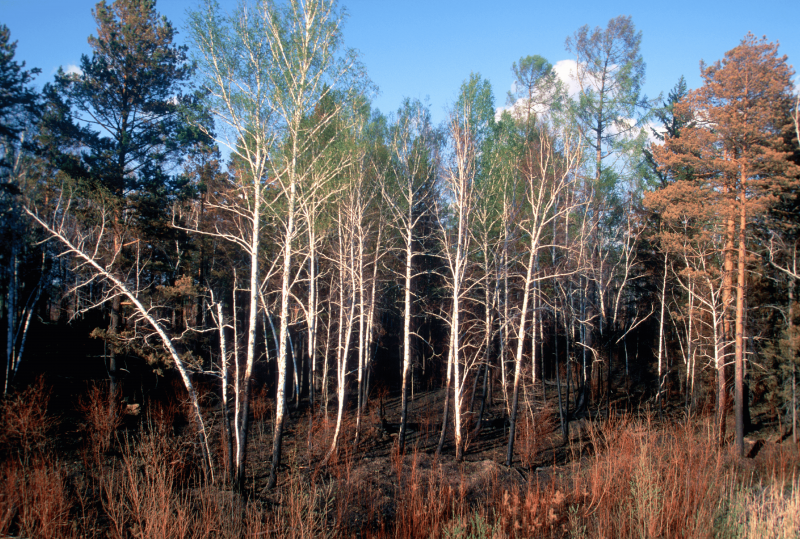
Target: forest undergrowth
(138, 476)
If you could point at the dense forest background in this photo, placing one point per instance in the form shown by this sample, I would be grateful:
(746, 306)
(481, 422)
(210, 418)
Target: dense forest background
(233, 215)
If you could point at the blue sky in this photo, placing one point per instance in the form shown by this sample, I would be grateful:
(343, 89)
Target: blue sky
(427, 48)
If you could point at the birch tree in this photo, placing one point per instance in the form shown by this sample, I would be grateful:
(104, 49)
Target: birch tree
(548, 167)
(459, 191)
(358, 232)
(348, 290)
(305, 51)
(406, 190)
(234, 64)
(266, 68)
(20, 299)
(469, 129)
(693, 235)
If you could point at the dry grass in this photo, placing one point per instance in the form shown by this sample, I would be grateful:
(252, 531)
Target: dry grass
(760, 511)
(35, 501)
(102, 411)
(642, 480)
(25, 423)
(645, 481)
(153, 494)
(424, 503)
(533, 435)
(35, 498)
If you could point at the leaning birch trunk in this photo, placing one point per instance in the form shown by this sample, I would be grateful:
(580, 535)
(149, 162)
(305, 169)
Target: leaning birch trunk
(101, 271)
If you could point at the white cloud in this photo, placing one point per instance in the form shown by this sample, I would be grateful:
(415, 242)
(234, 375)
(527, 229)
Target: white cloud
(567, 73)
(565, 70)
(519, 109)
(660, 129)
(72, 69)
(498, 112)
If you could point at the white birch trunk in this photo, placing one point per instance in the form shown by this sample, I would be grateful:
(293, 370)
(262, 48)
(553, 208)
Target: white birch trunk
(371, 315)
(11, 301)
(312, 310)
(361, 336)
(518, 359)
(661, 337)
(280, 399)
(344, 339)
(406, 324)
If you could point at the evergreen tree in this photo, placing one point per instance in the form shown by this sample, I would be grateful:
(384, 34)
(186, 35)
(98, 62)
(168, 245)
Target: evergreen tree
(737, 150)
(18, 99)
(671, 124)
(118, 123)
(610, 72)
(18, 111)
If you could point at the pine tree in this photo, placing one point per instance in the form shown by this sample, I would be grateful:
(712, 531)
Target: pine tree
(735, 147)
(118, 125)
(18, 111)
(18, 99)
